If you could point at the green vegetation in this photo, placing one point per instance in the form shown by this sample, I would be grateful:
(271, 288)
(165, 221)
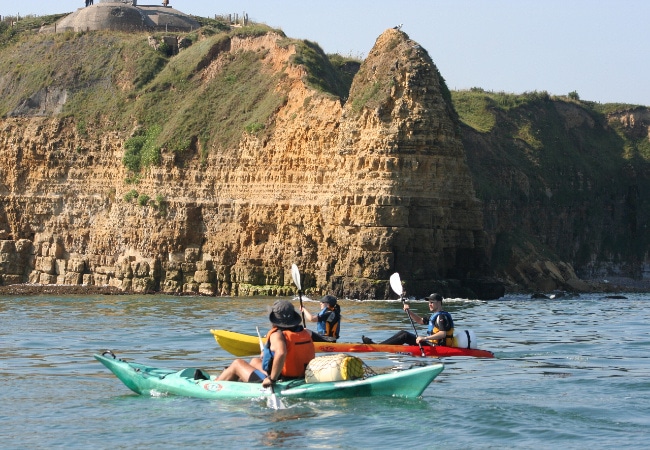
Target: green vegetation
(130, 195)
(325, 74)
(23, 25)
(474, 110)
(531, 137)
(526, 133)
(114, 80)
(369, 93)
(141, 150)
(562, 160)
(346, 69)
(477, 108)
(160, 204)
(209, 27)
(143, 200)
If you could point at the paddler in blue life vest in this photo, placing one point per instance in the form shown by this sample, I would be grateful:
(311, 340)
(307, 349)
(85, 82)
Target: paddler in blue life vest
(440, 331)
(287, 352)
(329, 320)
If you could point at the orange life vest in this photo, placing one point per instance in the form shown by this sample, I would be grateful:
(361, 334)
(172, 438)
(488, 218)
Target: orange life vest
(300, 350)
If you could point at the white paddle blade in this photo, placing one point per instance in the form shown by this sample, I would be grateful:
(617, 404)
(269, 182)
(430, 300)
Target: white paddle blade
(396, 284)
(295, 274)
(275, 402)
(260, 338)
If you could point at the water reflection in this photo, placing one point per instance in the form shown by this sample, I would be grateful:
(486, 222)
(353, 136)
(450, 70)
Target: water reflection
(280, 438)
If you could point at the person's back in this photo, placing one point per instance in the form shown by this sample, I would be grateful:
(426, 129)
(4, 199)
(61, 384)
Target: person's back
(299, 351)
(288, 350)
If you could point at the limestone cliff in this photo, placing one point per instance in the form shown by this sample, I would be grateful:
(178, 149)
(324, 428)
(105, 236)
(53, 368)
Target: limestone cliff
(349, 191)
(563, 185)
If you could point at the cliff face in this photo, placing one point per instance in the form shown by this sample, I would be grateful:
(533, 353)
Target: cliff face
(350, 193)
(563, 192)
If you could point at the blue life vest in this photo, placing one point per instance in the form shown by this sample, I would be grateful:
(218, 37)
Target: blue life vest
(329, 322)
(448, 340)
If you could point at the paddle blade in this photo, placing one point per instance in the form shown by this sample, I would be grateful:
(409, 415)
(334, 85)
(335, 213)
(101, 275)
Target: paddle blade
(259, 336)
(275, 402)
(396, 284)
(295, 274)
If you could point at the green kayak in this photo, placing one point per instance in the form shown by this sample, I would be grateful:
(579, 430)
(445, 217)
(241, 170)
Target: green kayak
(195, 382)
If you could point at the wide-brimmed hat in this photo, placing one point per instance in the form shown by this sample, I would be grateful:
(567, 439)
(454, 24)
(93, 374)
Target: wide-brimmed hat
(329, 299)
(284, 315)
(433, 297)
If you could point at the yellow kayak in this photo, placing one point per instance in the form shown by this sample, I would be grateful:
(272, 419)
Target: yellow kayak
(240, 344)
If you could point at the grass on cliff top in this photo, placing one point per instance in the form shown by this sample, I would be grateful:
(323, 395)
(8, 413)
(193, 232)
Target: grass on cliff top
(528, 134)
(23, 25)
(116, 80)
(330, 74)
(477, 107)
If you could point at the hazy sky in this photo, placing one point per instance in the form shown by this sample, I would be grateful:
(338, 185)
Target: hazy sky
(598, 48)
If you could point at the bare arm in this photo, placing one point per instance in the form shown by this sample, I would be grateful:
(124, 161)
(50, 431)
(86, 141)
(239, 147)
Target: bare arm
(434, 337)
(308, 315)
(279, 347)
(413, 315)
(441, 334)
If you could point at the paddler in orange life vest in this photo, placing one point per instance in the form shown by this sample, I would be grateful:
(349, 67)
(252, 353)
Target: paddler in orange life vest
(329, 320)
(287, 352)
(440, 331)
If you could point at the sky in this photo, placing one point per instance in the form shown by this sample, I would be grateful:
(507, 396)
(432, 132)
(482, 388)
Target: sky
(597, 48)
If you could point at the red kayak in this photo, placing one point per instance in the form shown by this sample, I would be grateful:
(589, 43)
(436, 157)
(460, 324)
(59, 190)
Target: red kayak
(245, 345)
(429, 350)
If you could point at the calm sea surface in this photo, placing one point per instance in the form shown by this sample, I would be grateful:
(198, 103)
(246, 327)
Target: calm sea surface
(568, 373)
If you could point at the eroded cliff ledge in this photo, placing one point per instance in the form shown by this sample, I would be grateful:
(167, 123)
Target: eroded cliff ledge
(349, 191)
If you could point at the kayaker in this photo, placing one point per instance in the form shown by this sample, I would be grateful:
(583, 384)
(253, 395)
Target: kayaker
(288, 350)
(329, 320)
(440, 331)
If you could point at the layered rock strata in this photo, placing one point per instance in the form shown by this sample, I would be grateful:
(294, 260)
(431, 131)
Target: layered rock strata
(350, 193)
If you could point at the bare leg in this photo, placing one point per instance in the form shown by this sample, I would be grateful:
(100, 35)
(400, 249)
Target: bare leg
(257, 364)
(239, 370)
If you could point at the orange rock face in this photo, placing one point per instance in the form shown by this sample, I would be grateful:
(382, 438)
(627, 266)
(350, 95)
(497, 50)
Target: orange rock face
(349, 191)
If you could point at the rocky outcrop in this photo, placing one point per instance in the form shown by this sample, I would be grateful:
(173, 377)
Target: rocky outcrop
(635, 121)
(350, 192)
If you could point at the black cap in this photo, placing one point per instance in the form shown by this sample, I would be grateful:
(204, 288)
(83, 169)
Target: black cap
(329, 299)
(433, 297)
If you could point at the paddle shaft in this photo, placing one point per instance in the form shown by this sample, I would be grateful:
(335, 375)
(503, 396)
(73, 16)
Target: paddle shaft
(413, 325)
(304, 323)
(274, 401)
(295, 275)
(396, 286)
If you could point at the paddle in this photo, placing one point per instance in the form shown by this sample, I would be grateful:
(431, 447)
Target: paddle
(396, 285)
(274, 401)
(295, 274)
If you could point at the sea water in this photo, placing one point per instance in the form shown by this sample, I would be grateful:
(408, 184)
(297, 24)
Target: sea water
(568, 373)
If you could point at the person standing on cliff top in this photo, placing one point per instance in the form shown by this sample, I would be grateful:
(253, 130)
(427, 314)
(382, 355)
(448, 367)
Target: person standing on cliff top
(329, 320)
(440, 331)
